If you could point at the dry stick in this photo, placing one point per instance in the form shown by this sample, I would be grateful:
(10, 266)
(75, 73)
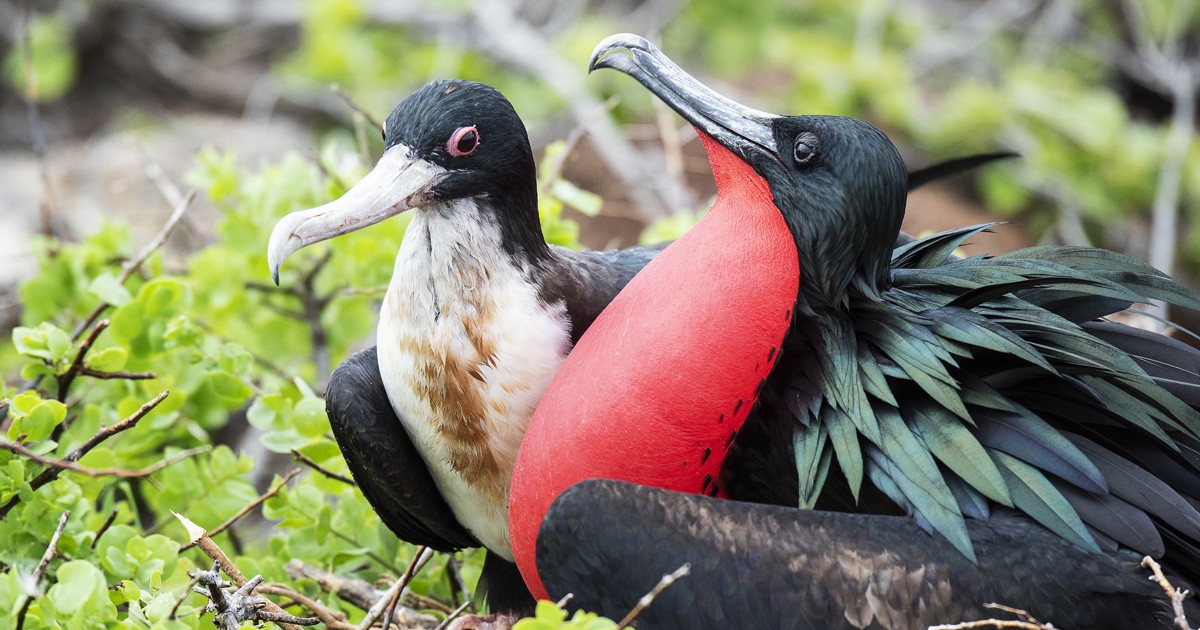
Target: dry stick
(112, 516)
(249, 506)
(555, 168)
(199, 537)
(124, 473)
(648, 598)
(423, 555)
(1176, 595)
(337, 89)
(453, 615)
(1028, 621)
(68, 377)
(333, 619)
(51, 549)
(359, 593)
(306, 460)
(51, 473)
(136, 262)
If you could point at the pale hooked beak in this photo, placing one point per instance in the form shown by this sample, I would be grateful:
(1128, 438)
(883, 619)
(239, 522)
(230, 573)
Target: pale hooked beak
(397, 183)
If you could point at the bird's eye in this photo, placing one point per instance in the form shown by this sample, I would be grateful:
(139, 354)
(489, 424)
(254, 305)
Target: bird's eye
(463, 141)
(806, 148)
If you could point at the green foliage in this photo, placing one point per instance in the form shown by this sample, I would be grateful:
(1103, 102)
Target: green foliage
(224, 344)
(550, 616)
(44, 66)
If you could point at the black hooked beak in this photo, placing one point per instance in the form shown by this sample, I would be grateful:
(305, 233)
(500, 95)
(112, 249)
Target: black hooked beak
(743, 130)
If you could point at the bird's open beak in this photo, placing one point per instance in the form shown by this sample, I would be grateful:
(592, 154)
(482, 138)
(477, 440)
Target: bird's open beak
(739, 128)
(397, 183)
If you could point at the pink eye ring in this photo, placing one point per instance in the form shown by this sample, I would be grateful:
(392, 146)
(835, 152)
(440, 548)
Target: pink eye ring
(463, 141)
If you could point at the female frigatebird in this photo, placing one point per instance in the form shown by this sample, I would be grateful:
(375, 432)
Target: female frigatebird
(479, 314)
(784, 352)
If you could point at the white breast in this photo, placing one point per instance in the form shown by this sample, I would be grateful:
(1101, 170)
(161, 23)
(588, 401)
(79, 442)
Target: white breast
(466, 349)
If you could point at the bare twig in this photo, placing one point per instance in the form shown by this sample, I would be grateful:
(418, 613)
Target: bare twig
(1026, 621)
(357, 592)
(125, 473)
(112, 516)
(422, 556)
(453, 615)
(352, 104)
(249, 506)
(68, 377)
(51, 473)
(1176, 595)
(199, 537)
(51, 550)
(555, 168)
(648, 598)
(307, 461)
(136, 262)
(333, 619)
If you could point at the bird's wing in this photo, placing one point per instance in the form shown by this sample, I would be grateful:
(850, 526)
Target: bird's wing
(587, 281)
(984, 381)
(760, 566)
(382, 459)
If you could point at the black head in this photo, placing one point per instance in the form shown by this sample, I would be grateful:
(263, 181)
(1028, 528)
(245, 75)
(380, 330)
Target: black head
(841, 186)
(839, 182)
(447, 141)
(472, 131)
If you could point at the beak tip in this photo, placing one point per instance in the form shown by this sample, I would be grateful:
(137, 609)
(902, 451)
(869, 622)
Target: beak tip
(626, 41)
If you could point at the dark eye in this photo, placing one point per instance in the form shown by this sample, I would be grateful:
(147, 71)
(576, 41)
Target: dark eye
(463, 141)
(806, 148)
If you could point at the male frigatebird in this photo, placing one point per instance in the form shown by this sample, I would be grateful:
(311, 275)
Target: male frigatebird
(785, 352)
(479, 314)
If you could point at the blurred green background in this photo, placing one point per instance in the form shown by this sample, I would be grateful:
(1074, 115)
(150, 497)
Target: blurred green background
(110, 109)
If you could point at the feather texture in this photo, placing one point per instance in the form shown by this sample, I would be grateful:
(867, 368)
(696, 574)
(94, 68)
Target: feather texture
(970, 382)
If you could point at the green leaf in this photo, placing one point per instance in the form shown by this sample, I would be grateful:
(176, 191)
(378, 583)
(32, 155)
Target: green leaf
(79, 584)
(109, 289)
(309, 417)
(586, 202)
(34, 417)
(108, 360)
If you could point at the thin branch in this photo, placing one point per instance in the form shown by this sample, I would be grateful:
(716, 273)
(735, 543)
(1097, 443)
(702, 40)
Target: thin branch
(352, 104)
(333, 619)
(453, 615)
(249, 506)
(359, 593)
(555, 168)
(112, 516)
(128, 376)
(125, 473)
(306, 460)
(51, 473)
(422, 556)
(136, 262)
(1176, 595)
(199, 537)
(68, 377)
(648, 598)
(1026, 621)
(51, 550)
